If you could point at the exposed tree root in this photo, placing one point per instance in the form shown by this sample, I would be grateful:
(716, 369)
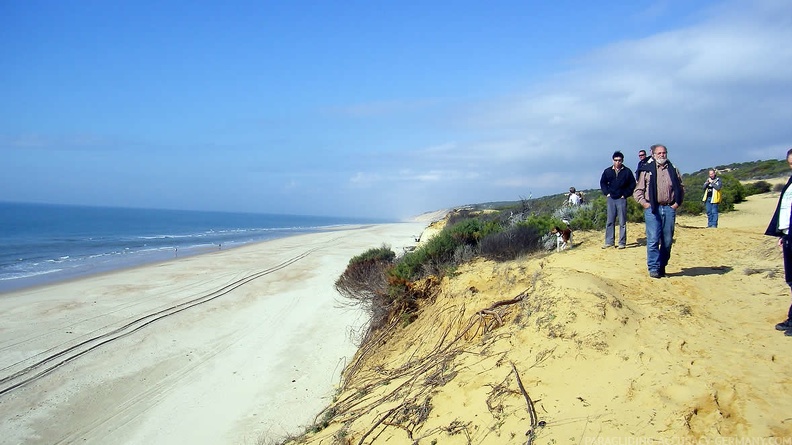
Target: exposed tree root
(421, 375)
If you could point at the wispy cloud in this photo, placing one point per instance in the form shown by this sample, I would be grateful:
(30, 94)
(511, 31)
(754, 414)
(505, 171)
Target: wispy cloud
(36, 141)
(383, 108)
(717, 90)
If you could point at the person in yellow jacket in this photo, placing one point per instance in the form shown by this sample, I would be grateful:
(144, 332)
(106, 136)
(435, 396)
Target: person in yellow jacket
(712, 197)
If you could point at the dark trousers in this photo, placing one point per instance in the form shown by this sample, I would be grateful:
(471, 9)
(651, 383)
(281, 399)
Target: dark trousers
(786, 248)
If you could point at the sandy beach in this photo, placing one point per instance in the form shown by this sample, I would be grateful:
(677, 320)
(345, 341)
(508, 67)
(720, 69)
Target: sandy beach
(230, 347)
(582, 347)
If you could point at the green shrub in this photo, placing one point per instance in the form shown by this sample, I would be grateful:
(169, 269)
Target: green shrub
(383, 253)
(591, 216)
(692, 207)
(366, 276)
(757, 187)
(732, 192)
(543, 223)
(470, 231)
(511, 243)
(635, 211)
(455, 244)
(427, 259)
(366, 284)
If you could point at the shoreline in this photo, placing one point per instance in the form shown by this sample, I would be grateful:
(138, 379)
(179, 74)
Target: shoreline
(258, 358)
(149, 258)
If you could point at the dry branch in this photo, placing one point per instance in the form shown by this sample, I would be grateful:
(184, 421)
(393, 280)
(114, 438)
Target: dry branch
(531, 410)
(431, 366)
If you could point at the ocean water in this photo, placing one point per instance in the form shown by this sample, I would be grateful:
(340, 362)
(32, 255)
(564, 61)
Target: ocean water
(43, 243)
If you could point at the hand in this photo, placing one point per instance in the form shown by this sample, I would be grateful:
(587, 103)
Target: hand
(646, 205)
(674, 206)
(780, 241)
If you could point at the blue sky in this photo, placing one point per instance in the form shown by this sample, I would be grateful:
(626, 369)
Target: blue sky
(377, 108)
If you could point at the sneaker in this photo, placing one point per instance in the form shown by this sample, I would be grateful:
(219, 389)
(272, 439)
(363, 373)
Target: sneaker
(788, 332)
(621, 246)
(662, 272)
(654, 274)
(785, 325)
(606, 246)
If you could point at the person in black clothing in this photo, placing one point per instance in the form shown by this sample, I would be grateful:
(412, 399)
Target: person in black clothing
(617, 183)
(780, 226)
(642, 158)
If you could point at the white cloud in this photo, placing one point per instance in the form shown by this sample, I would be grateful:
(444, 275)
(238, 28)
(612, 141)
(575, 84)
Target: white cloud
(716, 91)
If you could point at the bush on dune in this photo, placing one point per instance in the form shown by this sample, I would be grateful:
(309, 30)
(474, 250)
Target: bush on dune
(386, 286)
(365, 282)
(757, 187)
(511, 243)
(428, 259)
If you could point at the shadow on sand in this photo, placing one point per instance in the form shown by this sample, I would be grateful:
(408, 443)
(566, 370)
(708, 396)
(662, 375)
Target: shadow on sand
(699, 271)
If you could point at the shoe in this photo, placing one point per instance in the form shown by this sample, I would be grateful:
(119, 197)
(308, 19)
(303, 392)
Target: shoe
(788, 332)
(606, 246)
(621, 247)
(662, 272)
(654, 274)
(785, 325)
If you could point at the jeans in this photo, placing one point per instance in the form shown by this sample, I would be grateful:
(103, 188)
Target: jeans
(659, 237)
(712, 214)
(616, 207)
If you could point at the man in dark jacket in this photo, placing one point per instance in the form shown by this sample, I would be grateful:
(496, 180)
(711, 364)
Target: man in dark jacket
(780, 226)
(617, 183)
(642, 158)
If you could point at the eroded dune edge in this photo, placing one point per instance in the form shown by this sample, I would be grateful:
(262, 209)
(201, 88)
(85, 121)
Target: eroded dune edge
(582, 346)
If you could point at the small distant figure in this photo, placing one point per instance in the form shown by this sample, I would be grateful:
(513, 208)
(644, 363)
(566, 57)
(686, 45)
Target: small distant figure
(617, 183)
(175, 251)
(712, 197)
(219, 246)
(573, 197)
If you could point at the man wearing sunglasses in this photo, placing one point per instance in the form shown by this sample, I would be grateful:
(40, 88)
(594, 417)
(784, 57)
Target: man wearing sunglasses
(659, 190)
(642, 158)
(617, 183)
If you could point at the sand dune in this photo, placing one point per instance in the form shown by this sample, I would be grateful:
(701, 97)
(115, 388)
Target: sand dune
(604, 353)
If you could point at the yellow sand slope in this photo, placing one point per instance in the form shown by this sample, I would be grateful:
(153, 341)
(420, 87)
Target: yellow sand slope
(603, 352)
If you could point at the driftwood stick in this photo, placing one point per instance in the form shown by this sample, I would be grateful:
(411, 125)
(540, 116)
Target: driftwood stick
(516, 299)
(531, 409)
(382, 419)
